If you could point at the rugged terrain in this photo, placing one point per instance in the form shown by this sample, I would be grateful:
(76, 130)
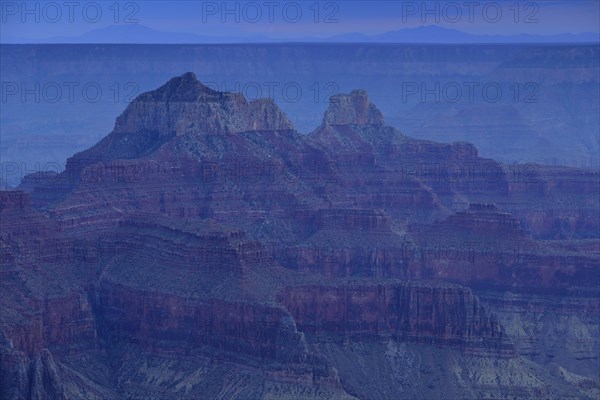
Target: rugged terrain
(205, 249)
(517, 103)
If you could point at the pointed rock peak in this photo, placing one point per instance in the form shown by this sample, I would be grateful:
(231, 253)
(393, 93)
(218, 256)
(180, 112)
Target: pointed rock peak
(188, 77)
(184, 88)
(352, 109)
(184, 106)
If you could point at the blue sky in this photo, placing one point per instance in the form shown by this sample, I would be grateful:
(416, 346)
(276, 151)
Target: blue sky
(291, 19)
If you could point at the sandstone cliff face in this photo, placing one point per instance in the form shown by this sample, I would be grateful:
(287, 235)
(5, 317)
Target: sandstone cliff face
(44, 305)
(486, 247)
(150, 318)
(418, 312)
(352, 109)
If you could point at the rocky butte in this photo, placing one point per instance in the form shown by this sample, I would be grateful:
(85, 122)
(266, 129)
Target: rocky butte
(205, 249)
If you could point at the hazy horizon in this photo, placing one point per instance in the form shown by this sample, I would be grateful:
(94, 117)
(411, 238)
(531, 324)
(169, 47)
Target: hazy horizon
(255, 22)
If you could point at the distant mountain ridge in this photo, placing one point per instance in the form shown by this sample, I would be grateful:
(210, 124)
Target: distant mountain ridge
(140, 34)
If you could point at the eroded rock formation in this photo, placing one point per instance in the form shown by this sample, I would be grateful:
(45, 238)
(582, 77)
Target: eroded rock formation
(205, 249)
